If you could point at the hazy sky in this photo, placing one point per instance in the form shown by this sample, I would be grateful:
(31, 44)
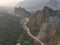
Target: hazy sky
(37, 4)
(15, 2)
(33, 4)
(9, 2)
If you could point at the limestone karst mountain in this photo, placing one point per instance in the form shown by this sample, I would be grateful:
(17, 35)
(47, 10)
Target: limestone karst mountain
(44, 24)
(46, 17)
(22, 12)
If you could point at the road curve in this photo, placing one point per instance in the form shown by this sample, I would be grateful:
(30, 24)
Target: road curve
(25, 21)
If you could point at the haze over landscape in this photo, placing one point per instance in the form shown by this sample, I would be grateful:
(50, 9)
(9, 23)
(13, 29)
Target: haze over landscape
(29, 22)
(35, 4)
(9, 2)
(39, 4)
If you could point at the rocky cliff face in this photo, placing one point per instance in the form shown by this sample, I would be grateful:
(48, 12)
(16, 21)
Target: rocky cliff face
(22, 12)
(49, 17)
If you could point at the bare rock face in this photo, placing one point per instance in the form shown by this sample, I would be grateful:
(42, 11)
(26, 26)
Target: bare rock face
(49, 17)
(22, 12)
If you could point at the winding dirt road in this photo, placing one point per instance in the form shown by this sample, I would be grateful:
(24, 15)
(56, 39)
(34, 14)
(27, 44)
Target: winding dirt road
(25, 21)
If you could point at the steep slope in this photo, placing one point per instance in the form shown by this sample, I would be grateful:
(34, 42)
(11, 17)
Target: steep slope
(22, 12)
(10, 29)
(42, 22)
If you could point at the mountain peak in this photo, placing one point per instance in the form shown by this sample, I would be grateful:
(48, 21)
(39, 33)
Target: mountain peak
(54, 4)
(39, 4)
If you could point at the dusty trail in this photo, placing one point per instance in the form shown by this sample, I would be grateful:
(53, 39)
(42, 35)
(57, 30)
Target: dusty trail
(25, 21)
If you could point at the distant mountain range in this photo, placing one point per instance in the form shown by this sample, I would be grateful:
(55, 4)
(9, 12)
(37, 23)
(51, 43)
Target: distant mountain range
(54, 4)
(32, 4)
(39, 5)
(22, 12)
